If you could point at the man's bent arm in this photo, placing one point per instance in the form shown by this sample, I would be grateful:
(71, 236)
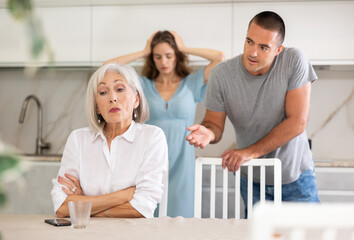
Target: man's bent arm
(297, 108)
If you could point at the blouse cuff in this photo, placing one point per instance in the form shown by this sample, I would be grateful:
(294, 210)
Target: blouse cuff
(143, 206)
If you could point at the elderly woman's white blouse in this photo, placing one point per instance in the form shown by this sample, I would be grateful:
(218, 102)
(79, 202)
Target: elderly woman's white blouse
(138, 158)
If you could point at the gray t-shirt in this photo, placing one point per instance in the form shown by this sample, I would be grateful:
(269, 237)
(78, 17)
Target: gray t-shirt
(256, 104)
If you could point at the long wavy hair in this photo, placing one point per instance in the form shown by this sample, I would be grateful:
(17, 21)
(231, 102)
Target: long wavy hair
(150, 71)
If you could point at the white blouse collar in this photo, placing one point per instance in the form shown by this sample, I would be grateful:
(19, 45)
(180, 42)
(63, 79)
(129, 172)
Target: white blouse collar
(128, 135)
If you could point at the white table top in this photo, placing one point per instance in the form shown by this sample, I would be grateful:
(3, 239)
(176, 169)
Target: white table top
(33, 227)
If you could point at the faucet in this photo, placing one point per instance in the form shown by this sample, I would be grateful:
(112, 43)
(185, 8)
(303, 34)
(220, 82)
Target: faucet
(39, 144)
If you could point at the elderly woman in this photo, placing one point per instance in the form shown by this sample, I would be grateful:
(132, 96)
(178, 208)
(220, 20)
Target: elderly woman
(118, 163)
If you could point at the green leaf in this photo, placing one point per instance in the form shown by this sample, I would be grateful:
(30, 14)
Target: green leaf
(2, 198)
(7, 161)
(20, 9)
(37, 37)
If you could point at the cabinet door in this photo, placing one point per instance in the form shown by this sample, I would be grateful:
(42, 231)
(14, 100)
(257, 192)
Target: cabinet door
(31, 195)
(323, 30)
(13, 44)
(121, 30)
(68, 32)
(66, 29)
(335, 184)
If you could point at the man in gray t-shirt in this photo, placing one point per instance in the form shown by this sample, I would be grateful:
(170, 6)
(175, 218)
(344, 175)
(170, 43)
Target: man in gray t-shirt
(265, 92)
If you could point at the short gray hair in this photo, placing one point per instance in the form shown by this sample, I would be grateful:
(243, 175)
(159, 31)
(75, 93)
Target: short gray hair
(133, 81)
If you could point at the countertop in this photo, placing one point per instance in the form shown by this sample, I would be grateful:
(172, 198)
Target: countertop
(40, 158)
(318, 163)
(334, 163)
(33, 227)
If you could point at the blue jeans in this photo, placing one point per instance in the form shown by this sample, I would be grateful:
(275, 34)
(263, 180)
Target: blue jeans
(304, 189)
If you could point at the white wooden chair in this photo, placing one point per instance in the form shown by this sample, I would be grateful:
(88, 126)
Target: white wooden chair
(164, 200)
(213, 162)
(299, 221)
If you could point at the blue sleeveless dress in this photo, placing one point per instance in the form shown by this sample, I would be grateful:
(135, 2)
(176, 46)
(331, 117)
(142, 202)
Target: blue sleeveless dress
(174, 117)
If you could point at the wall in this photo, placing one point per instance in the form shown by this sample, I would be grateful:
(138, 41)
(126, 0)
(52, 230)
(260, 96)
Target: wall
(62, 96)
(62, 93)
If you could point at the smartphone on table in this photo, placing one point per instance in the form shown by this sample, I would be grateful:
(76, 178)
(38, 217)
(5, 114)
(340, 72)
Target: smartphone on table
(58, 222)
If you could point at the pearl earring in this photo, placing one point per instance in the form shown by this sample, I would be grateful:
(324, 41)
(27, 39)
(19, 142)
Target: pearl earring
(134, 114)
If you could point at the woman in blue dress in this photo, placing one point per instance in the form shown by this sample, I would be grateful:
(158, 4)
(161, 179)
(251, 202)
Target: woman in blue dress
(172, 92)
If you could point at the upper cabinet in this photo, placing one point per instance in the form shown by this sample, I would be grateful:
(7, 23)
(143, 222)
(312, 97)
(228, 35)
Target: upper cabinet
(13, 45)
(66, 29)
(323, 30)
(121, 30)
(89, 34)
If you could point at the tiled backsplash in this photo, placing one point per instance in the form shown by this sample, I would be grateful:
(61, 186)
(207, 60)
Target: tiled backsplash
(62, 94)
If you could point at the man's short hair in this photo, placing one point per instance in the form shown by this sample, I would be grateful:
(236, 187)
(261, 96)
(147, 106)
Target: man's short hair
(270, 21)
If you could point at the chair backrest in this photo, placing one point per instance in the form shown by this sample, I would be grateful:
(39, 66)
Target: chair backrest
(300, 221)
(213, 162)
(164, 200)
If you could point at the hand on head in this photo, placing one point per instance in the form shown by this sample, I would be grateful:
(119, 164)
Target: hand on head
(179, 41)
(147, 49)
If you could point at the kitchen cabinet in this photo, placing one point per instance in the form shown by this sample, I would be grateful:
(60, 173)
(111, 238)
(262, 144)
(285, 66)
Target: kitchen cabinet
(335, 184)
(13, 45)
(120, 30)
(88, 33)
(322, 29)
(67, 30)
(31, 193)
(69, 33)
